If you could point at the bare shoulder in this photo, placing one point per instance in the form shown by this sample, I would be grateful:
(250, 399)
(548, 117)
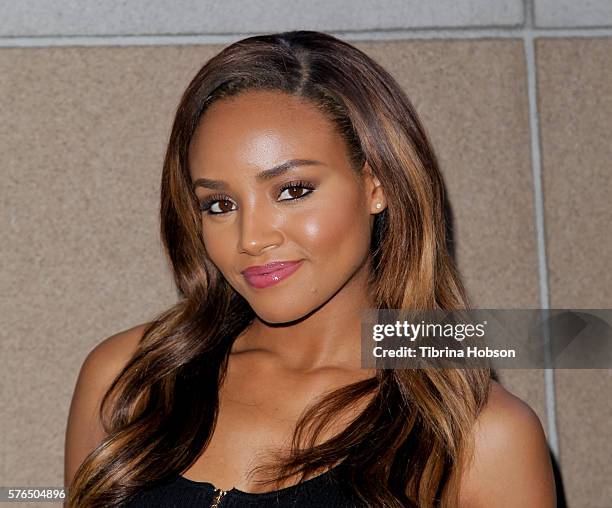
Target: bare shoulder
(511, 463)
(102, 364)
(117, 349)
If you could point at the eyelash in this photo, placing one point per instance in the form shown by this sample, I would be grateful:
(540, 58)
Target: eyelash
(208, 202)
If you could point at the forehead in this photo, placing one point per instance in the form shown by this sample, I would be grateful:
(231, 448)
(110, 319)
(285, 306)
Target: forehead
(259, 128)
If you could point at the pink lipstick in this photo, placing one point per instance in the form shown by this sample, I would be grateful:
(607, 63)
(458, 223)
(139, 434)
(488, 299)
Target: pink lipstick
(271, 273)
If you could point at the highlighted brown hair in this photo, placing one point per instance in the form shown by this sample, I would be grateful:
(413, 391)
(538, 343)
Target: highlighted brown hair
(405, 447)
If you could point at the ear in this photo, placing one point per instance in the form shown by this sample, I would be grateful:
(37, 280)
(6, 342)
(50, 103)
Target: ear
(375, 195)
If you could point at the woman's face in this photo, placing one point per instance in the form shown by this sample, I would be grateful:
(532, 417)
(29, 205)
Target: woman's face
(315, 210)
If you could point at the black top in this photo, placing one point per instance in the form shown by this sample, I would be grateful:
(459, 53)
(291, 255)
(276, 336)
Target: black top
(327, 490)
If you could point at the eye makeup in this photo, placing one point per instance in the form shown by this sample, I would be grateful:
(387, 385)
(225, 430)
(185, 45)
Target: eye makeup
(207, 203)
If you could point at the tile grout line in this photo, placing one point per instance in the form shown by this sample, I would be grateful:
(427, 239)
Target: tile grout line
(366, 35)
(536, 165)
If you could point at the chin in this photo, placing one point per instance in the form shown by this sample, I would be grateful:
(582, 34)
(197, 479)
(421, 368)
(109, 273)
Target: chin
(277, 310)
(278, 314)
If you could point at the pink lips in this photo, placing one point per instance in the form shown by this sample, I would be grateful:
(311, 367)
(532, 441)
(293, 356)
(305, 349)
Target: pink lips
(271, 273)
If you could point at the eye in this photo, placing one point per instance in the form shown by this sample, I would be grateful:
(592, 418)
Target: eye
(219, 201)
(299, 186)
(220, 204)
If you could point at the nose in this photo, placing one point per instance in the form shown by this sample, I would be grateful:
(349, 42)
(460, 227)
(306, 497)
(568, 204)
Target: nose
(258, 231)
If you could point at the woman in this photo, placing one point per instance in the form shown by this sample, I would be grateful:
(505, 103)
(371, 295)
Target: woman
(298, 189)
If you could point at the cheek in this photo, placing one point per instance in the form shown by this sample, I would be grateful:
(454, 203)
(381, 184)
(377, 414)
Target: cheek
(216, 248)
(335, 230)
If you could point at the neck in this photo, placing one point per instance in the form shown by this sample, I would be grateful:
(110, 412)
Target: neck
(329, 336)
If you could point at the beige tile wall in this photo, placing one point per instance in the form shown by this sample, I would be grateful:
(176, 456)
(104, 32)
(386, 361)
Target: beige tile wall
(575, 103)
(82, 135)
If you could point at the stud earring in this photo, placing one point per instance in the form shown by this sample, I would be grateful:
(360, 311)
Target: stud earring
(378, 205)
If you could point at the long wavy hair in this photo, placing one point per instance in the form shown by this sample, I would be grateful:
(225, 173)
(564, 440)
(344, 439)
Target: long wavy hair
(404, 449)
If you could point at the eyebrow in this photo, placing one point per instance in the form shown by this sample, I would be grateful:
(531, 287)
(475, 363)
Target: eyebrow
(264, 175)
